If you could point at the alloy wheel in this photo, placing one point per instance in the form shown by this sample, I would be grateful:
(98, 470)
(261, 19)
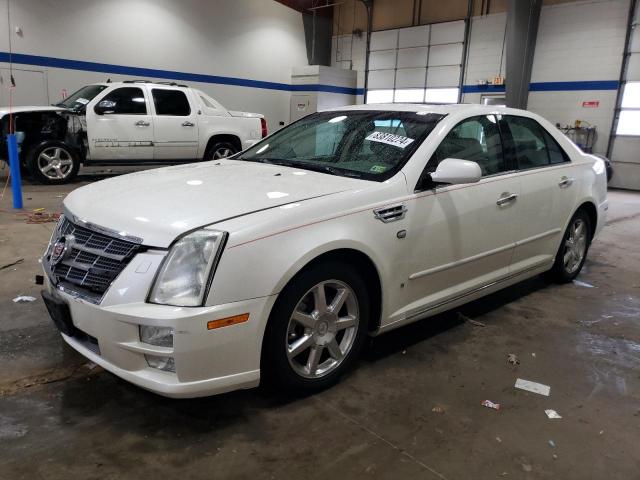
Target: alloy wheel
(322, 329)
(55, 163)
(222, 152)
(575, 246)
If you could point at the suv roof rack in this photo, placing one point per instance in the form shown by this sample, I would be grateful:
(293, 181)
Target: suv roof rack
(173, 84)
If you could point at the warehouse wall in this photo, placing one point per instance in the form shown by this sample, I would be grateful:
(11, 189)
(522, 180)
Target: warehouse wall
(577, 59)
(247, 40)
(580, 42)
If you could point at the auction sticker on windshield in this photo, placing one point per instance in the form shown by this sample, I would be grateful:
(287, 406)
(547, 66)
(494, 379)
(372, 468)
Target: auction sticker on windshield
(82, 101)
(390, 139)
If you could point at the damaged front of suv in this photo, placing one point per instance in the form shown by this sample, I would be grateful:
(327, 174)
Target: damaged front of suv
(52, 140)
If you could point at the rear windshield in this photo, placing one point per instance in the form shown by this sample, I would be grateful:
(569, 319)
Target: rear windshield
(372, 145)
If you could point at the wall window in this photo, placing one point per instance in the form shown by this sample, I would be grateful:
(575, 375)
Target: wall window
(629, 119)
(380, 96)
(441, 95)
(409, 95)
(127, 101)
(171, 102)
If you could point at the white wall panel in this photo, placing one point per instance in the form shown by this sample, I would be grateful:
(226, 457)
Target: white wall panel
(414, 36)
(443, 76)
(410, 77)
(382, 59)
(448, 32)
(485, 48)
(384, 40)
(412, 57)
(381, 78)
(445, 55)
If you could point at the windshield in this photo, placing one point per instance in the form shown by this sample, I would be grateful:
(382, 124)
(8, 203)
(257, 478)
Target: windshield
(372, 145)
(79, 99)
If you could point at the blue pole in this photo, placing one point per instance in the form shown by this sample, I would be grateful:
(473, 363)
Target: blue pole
(14, 169)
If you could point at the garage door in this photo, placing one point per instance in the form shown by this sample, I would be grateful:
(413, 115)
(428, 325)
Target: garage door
(416, 64)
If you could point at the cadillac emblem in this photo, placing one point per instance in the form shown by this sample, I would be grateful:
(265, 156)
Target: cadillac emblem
(61, 249)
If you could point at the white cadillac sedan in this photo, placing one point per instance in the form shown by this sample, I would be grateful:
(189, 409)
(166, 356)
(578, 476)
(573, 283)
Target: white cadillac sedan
(199, 279)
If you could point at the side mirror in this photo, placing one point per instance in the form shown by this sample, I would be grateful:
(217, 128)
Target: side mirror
(105, 106)
(456, 171)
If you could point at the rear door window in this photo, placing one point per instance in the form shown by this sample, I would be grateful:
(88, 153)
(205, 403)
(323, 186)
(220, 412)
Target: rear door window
(170, 102)
(533, 146)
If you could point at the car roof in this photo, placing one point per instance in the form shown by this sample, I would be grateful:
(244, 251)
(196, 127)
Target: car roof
(142, 82)
(456, 108)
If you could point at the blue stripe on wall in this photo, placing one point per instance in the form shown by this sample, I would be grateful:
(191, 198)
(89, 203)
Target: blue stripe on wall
(53, 62)
(68, 64)
(548, 86)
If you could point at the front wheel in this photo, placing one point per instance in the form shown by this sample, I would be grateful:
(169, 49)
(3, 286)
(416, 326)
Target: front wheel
(53, 162)
(317, 328)
(573, 249)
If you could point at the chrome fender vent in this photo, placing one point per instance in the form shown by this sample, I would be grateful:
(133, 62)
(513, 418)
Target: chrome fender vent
(390, 214)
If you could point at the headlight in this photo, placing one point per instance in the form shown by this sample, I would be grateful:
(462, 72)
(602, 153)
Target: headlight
(185, 274)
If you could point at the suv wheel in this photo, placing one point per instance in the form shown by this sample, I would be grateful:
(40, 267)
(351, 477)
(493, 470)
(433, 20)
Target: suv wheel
(220, 150)
(53, 162)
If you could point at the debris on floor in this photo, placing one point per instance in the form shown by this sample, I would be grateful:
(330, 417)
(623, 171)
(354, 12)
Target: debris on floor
(552, 414)
(23, 299)
(498, 439)
(12, 264)
(39, 216)
(513, 360)
(438, 409)
(490, 404)
(580, 283)
(533, 355)
(533, 387)
(464, 318)
(552, 444)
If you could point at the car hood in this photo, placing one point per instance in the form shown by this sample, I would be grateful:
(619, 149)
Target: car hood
(159, 205)
(6, 110)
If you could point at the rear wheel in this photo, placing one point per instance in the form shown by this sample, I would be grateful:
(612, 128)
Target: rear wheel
(573, 249)
(317, 328)
(53, 162)
(220, 150)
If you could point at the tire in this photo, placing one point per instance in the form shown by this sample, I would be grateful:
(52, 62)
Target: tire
(53, 162)
(573, 249)
(220, 150)
(328, 343)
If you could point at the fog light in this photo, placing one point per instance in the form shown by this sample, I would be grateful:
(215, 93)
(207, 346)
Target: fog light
(161, 363)
(158, 336)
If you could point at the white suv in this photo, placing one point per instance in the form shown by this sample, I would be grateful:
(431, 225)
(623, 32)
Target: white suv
(129, 123)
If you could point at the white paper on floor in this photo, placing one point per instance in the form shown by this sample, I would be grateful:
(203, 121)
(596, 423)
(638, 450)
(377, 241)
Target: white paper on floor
(582, 284)
(534, 387)
(24, 298)
(552, 414)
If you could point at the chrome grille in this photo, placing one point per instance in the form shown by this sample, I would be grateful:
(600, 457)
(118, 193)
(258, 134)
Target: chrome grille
(95, 259)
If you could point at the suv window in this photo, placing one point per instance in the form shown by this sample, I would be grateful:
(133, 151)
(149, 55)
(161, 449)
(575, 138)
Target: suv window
(534, 147)
(476, 139)
(127, 101)
(171, 102)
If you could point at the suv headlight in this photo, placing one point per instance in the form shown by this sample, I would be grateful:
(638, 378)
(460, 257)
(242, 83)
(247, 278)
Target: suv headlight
(186, 272)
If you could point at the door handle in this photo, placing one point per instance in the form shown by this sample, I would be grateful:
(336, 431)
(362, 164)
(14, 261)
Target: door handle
(142, 123)
(565, 182)
(506, 198)
(188, 124)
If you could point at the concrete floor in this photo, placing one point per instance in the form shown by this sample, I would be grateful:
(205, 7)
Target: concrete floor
(60, 419)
